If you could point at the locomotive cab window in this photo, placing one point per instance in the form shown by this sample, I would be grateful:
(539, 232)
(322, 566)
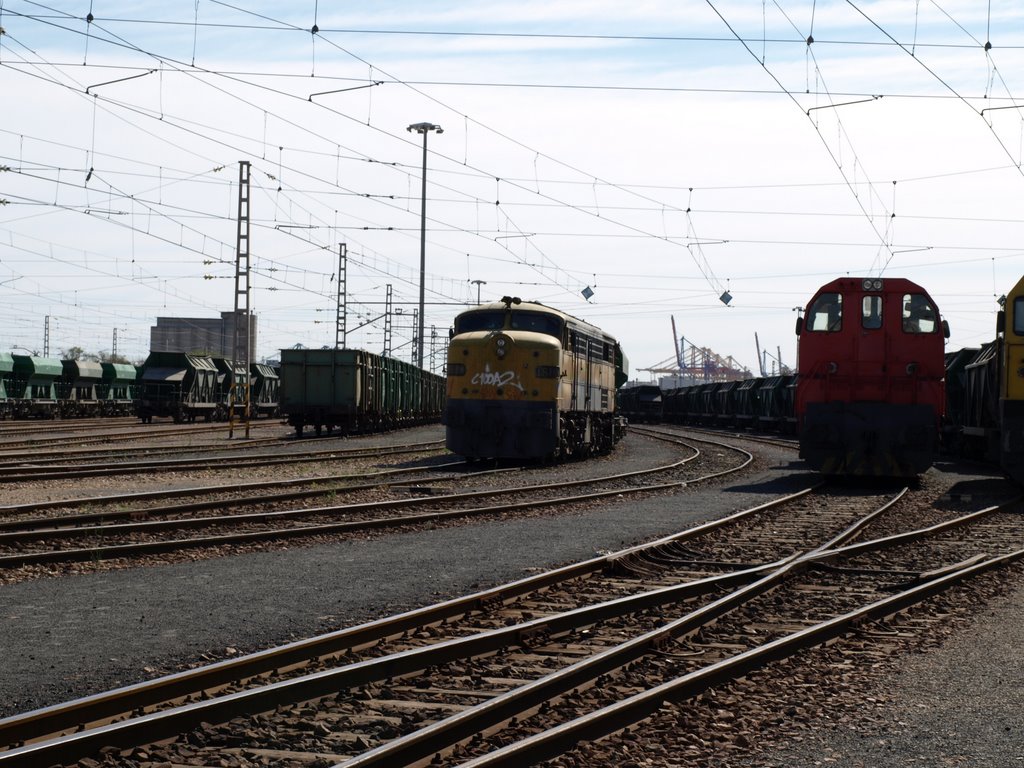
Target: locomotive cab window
(826, 313)
(480, 321)
(537, 322)
(494, 320)
(919, 316)
(871, 312)
(1018, 315)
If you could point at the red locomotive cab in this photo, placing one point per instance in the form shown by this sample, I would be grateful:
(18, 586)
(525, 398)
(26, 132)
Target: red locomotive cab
(870, 391)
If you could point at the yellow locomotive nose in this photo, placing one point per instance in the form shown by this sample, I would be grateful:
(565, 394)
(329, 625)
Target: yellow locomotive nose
(529, 382)
(501, 347)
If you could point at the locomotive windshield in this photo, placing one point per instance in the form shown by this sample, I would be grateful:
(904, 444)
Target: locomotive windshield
(871, 312)
(919, 316)
(494, 320)
(826, 313)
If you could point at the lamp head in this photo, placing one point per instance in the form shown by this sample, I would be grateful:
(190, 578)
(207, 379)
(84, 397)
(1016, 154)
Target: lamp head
(424, 128)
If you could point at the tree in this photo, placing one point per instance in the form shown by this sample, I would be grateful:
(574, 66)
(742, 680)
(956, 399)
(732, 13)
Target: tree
(108, 357)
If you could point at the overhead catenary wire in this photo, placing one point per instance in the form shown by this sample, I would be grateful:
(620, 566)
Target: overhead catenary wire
(301, 209)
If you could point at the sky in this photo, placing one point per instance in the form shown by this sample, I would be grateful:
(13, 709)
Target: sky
(660, 154)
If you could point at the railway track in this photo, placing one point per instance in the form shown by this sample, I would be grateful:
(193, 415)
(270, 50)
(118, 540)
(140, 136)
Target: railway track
(101, 535)
(101, 431)
(679, 430)
(108, 452)
(52, 425)
(546, 665)
(103, 466)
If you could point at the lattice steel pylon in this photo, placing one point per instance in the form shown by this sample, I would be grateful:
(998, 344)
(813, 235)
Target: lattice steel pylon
(416, 346)
(433, 347)
(242, 286)
(387, 323)
(342, 318)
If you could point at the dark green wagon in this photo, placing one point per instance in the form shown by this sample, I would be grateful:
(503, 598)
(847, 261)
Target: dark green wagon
(355, 391)
(32, 388)
(118, 389)
(6, 373)
(178, 385)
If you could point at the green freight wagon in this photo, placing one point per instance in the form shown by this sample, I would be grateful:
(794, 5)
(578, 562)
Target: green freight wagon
(78, 388)
(266, 389)
(355, 391)
(33, 386)
(117, 390)
(178, 385)
(232, 381)
(6, 373)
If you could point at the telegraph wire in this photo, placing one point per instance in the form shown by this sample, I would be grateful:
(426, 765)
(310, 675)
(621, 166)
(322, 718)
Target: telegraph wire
(839, 166)
(279, 26)
(559, 203)
(510, 204)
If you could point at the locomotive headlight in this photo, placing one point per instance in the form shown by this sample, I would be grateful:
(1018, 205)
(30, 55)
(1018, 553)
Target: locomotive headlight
(833, 367)
(911, 369)
(501, 348)
(871, 285)
(1020, 371)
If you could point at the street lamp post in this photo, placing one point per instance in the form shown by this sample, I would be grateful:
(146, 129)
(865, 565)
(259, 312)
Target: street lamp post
(423, 128)
(478, 283)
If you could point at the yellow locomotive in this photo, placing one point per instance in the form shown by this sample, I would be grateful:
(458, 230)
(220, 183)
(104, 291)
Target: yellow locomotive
(985, 392)
(1011, 383)
(526, 381)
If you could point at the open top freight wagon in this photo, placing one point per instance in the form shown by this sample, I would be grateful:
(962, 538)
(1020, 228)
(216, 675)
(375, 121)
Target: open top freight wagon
(355, 391)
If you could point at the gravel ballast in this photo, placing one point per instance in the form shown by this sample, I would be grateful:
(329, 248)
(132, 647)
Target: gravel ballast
(960, 705)
(79, 634)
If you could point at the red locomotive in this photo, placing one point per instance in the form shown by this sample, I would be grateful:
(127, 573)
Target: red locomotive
(870, 391)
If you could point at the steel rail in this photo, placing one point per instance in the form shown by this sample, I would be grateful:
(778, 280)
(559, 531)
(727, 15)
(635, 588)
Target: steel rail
(689, 430)
(122, 550)
(622, 714)
(899, 538)
(59, 717)
(444, 733)
(171, 722)
(140, 430)
(168, 723)
(149, 464)
(8, 460)
(57, 523)
(29, 474)
(82, 501)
